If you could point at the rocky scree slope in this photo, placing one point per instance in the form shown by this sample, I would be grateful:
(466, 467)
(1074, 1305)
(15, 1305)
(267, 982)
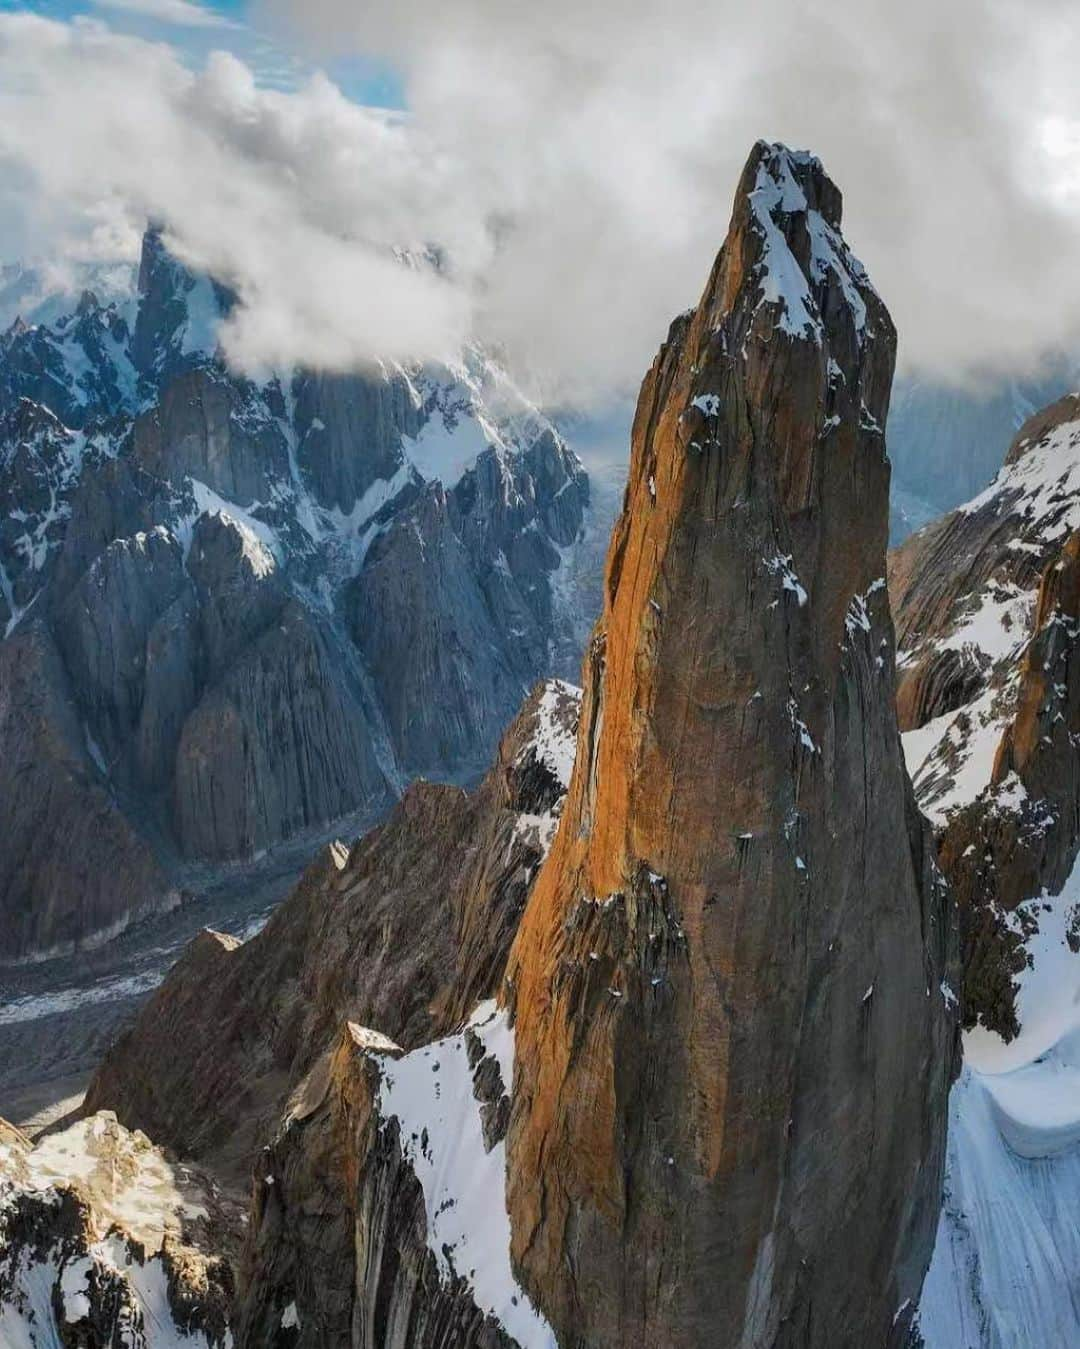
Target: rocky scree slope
(988, 619)
(234, 611)
(406, 930)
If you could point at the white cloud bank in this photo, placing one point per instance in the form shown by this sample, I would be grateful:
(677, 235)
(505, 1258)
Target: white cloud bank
(575, 161)
(295, 200)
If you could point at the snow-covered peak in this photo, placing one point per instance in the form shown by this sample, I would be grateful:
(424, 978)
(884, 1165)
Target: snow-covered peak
(795, 211)
(1039, 484)
(468, 406)
(43, 295)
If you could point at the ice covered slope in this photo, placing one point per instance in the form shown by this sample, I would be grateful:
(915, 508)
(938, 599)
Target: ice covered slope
(100, 1243)
(988, 615)
(402, 1155)
(1006, 1267)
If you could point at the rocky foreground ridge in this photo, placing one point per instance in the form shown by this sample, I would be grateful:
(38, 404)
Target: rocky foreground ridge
(236, 611)
(407, 930)
(103, 1242)
(701, 1098)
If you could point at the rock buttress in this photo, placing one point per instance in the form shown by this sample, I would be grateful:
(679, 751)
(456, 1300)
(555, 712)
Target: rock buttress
(734, 1043)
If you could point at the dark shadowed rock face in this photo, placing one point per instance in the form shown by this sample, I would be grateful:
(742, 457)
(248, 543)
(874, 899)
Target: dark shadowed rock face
(988, 616)
(452, 574)
(734, 1039)
(269, 603)
(406, 931)
(216, 430)
(333, 414)
(282, 729)
(71, 864)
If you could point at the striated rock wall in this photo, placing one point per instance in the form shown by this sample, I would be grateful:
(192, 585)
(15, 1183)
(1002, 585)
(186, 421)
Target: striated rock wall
(274, 602)
(70, 863)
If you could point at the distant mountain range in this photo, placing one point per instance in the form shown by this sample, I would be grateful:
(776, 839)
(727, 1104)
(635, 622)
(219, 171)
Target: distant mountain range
(235, 610)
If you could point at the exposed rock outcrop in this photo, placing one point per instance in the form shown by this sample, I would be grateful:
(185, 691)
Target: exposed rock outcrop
(344, 1232)
(71, 864)
(104, 1242)
(988, 614)
(734, 1034)
(407, 931)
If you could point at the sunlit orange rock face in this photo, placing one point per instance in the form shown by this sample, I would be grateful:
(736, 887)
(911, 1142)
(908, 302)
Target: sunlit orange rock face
(733, 1044)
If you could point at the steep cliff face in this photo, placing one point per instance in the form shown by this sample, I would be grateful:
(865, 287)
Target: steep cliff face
(988, 617)
(406, 931)
(243, 580)
(51, 789)
(734, 1030)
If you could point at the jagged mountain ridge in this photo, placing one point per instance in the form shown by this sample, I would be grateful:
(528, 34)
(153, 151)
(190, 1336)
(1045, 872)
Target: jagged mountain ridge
(241, 610)
(406, 930)
(987, 617)
(253, 1052)
(947, 442)
(987, 602)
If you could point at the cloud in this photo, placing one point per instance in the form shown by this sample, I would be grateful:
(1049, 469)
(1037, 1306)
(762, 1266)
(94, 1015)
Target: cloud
(574, 164)
(297, 201)
(182, 13)
(609, 133)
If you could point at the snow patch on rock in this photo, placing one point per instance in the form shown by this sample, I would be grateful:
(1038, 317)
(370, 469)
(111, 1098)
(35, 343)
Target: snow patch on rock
(430, 1092)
